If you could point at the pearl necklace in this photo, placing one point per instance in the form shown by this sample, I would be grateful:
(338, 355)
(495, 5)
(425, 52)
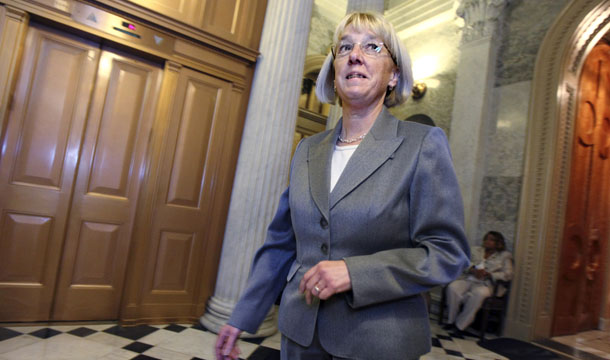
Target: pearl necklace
(352, 140)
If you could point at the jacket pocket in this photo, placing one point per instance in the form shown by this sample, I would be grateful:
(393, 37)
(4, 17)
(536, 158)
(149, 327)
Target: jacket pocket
(293, 270)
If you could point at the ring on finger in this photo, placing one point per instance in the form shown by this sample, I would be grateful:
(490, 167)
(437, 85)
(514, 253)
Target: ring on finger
(317, 289)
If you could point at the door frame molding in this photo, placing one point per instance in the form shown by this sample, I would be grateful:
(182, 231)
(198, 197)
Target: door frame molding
(13, 29)
(550, 130)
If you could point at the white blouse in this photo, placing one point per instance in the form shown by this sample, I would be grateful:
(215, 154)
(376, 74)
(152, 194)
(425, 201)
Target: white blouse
(340, 158)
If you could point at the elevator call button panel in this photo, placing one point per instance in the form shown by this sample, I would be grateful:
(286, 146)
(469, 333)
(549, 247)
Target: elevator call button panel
(120, 27)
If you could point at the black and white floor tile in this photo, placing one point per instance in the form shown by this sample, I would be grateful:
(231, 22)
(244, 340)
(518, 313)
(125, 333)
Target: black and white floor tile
(174, 342)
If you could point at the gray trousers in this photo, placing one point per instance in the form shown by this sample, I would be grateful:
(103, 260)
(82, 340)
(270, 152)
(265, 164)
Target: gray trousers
(471, 294)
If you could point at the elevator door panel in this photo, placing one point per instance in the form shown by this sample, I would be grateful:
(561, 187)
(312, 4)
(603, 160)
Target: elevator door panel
(190, 159)
(40, 148)
(106, 191)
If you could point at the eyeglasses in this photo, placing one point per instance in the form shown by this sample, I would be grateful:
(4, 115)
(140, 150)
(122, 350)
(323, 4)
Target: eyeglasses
(370, 48)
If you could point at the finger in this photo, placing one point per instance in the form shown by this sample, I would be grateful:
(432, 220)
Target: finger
(308, 297)
(220, 342)
(218, 347)
(229, 344)
(226, 349)
(308, 285)
(317, 288)
(324, 291)
(235, 353)
(306, 278)
(313, 282)
(303, 282)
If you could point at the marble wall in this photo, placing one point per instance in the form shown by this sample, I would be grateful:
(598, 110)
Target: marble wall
(434, 53)
(501, 188)
(525, 25)
(437, 103)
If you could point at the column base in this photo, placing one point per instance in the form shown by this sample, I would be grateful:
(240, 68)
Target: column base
(217, 313)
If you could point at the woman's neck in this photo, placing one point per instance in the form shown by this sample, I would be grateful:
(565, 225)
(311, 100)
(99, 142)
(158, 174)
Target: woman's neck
(359, 120)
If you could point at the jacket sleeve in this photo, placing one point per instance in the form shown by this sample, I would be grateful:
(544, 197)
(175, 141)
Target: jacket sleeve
(269, 271)
(439, 251)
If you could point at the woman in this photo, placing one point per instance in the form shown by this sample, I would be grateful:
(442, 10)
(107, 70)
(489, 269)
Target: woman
(355, 243)
(490, 262)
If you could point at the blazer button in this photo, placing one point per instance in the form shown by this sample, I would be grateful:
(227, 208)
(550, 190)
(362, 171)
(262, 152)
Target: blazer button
(323, 223)
(324, 249)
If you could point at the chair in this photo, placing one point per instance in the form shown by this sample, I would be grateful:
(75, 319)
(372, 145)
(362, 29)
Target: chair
(495, 304)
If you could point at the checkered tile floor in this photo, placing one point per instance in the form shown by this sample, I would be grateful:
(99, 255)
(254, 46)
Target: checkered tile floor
(175, 341)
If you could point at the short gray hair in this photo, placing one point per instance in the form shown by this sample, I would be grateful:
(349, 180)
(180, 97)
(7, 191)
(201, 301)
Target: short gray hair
(325, 85)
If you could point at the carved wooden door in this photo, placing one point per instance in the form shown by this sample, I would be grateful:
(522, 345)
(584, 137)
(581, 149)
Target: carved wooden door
(578, 300)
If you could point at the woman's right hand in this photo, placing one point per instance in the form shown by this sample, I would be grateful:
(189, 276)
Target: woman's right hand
(226, 343)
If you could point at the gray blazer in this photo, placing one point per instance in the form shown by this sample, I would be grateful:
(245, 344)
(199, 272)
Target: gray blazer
(395, 216)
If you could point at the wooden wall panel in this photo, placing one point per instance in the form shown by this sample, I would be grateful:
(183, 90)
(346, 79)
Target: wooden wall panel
(186, 177)
(186, 11)
(114, 157)
(96, 254)
(230, 22)
(235, 20)
(174, 258)
(222, 17)
(23, 248)
(52, 95)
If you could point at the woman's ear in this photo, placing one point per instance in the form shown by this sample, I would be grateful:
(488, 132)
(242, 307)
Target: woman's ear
(394, 78)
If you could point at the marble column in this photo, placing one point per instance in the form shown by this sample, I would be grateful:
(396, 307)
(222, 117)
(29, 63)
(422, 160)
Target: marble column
(264, 155)
(472, 106)
(353, 5)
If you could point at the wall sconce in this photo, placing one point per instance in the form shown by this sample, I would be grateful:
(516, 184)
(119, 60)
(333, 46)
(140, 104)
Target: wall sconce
(419, 90)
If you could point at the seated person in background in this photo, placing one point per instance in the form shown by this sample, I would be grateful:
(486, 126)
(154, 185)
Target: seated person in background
(488, 263)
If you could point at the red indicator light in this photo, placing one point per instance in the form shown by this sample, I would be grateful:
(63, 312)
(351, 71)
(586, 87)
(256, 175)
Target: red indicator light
(128, 25)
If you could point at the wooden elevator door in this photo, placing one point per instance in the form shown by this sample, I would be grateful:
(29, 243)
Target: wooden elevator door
(180, 268)
(580, 285)
(111, 168)
(72, 162)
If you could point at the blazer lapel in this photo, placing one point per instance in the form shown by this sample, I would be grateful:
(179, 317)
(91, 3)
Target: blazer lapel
(319, 162)
(372, 152)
